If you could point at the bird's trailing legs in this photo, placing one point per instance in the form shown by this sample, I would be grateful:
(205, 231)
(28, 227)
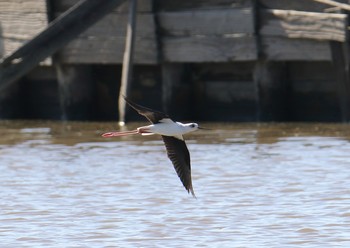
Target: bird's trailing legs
(116, 134)
(140, 130)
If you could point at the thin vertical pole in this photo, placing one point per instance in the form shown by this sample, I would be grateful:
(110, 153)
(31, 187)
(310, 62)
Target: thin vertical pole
(127, 60)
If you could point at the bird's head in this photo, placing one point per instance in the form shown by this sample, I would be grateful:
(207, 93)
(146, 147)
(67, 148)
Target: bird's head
(193, 126)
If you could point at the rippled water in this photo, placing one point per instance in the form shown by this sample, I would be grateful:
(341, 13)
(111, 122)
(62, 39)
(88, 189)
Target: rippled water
(257, 185)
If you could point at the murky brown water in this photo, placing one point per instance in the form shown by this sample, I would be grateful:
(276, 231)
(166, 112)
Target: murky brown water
(268, 185)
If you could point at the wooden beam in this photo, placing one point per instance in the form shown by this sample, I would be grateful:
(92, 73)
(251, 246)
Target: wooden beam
(104, 42)
(62, 30)
(208, 35)
(301, 24)
(20, 21)
(301, 5)
(284, 49)
(144, 6)
(209, 49)
(127, 61)
(180, 5)
(343, 6)
(207, 22)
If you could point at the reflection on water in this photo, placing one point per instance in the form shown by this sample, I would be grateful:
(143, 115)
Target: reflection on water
(258, 185)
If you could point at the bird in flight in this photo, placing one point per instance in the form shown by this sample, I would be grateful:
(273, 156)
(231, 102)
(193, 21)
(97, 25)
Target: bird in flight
(172, 134)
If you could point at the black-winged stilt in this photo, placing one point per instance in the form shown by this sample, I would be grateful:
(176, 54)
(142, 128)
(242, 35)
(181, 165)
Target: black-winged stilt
(171, 133)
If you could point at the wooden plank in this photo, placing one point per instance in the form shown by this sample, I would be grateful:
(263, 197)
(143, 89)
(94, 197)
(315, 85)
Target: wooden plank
(142, 6)
(300, 24)
(104, 42)
(107, 51)
(20, 6)
(300, 5)
(19, 22)
(207, 22)
(180, 5)
(115, 25)
(282, 49)
(22, 26)
(209, 49)
(332, 3)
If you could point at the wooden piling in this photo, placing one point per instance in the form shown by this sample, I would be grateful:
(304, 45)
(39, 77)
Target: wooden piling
(341, 62)
(77, 91)
(10, 102)
(175, 90)
(271, 91)
(340, 54)
(127, 61)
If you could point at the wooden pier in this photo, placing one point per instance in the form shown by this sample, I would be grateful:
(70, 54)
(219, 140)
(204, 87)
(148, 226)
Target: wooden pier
(214, 60)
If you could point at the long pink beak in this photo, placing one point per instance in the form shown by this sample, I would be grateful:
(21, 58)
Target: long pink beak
(117, 134)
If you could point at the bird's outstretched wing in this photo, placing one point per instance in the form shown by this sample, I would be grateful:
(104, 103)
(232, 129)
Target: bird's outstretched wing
(153, 116)
(180, 157)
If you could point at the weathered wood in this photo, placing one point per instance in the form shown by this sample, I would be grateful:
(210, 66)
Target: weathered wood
(180, 5)
(300, 24)
(224, 91)
(227, 92)
(143, 6)
(271, 90)
(39, 94)
(58, 33)
(127, 61)
(21, 29)
(19, 22)
(98, 50)
(115, 25)
(340, 57)
(227, 101)
(10, 101)
(312, 91)
(335, 4)
(175, 90)
(207, 35)
(301, 73)
(284, 49)
(207, 22)
(300, 5)
(77, 91)
(209, 49)
(20, 6)
(104, 42)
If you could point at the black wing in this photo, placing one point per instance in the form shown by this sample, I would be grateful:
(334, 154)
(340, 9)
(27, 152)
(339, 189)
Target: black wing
(153, 116)
(180, 157)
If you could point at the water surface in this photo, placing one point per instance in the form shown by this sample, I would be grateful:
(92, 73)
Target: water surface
(257, 185)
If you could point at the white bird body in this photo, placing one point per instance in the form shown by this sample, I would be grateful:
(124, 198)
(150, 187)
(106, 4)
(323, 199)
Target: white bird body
(168, 127)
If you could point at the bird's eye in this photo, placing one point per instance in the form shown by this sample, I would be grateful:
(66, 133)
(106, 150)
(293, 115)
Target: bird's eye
(193, 125)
